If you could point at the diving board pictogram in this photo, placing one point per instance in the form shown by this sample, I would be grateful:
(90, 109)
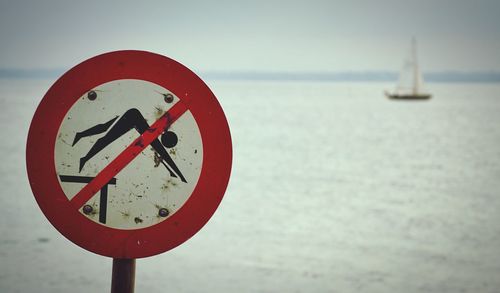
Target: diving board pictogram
(136, 154)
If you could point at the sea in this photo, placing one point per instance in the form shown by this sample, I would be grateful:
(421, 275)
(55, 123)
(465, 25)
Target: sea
(334, 188)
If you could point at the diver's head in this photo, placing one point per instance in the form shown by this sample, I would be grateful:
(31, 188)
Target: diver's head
(169, 139)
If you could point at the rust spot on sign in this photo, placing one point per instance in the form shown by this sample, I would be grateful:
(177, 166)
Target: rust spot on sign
(168, 184)
(125, 214)
(140, 142)
(169, 121)
(157, 159)
(159, 112)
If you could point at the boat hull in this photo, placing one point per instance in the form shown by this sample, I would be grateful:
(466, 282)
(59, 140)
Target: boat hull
(409, 97)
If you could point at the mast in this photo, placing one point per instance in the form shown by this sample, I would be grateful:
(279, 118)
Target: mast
(416, 74)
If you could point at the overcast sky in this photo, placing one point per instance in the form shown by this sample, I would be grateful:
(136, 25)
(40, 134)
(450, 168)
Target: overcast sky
(298, 35)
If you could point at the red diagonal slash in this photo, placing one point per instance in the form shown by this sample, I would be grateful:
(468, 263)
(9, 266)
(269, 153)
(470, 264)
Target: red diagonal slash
(124, 158)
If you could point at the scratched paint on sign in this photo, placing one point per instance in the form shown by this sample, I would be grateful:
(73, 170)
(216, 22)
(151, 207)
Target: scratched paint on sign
(100, 125)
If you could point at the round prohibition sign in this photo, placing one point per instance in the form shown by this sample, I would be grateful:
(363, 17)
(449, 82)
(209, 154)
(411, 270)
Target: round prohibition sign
(129, 154)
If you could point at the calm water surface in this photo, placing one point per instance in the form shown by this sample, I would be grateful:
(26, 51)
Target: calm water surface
(334, 189)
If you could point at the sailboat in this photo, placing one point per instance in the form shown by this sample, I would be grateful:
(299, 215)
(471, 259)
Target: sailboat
(410, 80)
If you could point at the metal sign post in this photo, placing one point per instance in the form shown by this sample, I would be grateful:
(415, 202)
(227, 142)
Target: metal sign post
(123, 276)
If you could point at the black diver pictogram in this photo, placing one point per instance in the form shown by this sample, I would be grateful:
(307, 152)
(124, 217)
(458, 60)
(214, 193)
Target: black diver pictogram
(132, 118)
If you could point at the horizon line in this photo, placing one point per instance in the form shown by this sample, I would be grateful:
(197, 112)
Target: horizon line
(319, 76)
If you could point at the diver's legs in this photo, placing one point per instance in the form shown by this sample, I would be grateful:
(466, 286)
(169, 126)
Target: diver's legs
(124, 124)
(99, 128)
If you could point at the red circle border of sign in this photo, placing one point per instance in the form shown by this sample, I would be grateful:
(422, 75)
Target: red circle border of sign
(214, 176)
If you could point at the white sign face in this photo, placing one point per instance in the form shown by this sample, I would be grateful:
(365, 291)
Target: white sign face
(105, 121)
